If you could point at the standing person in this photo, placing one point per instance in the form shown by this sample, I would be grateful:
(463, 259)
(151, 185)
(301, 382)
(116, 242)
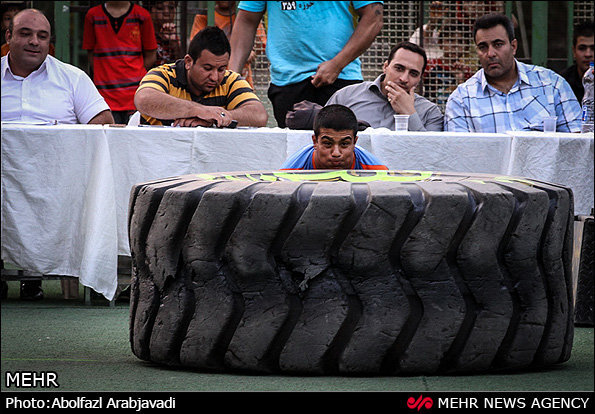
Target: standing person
(120, 39)
(582, 51)
(431, 31)
(169, 46)
(443, 75)
(38, 87)
(508, 95)
(393, 93)
(225, 17)
(313, 47)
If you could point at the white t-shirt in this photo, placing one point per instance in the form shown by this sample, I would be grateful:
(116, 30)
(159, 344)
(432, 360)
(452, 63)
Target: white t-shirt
(56, 92)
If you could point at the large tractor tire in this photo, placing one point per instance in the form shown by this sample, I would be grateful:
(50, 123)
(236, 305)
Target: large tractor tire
(347, 272)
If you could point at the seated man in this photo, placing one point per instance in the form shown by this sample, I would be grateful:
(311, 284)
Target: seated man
(508, 95)
(393, 93)
(199, 90)
(333, 145)
(37, 87)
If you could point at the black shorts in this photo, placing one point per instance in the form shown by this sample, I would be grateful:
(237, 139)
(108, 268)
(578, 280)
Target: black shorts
(284, 97)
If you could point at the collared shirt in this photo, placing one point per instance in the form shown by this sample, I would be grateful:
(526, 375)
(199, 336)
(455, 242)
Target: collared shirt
(476, 106)
(56, 92)
(170, 78)
(369, 104)
(304, 159)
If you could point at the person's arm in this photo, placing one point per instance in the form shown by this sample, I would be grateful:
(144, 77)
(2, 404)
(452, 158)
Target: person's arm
(455, 114)
(149, 58)
(104, 117)
(251, 113)
(431, 120)
(369, 26)
(242, 38)
(90, 59)
(161, 105)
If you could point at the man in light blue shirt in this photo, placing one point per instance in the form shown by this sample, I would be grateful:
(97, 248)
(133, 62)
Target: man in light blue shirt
(508, 95)
(313, 47)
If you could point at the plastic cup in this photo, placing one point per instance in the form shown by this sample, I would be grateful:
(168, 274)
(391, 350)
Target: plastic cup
(549, 124)
(401, 122)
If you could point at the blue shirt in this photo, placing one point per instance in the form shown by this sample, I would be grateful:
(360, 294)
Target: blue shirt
(476, 106)
(303, 34)
(304, 160)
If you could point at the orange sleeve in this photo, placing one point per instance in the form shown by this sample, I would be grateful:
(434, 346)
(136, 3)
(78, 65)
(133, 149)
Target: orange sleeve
(199, 23)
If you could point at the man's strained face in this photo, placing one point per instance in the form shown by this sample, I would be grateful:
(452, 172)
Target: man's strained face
(334, 150)
(206, 73)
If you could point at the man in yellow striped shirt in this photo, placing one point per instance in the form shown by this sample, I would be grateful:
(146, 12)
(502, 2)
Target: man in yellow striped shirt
(199, 90)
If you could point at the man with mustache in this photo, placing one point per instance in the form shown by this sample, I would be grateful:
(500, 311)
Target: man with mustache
(38, 88)
(199, 90)
(393, 92)
(508, 95)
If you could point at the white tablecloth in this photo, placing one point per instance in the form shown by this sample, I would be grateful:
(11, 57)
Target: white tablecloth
(66, 188)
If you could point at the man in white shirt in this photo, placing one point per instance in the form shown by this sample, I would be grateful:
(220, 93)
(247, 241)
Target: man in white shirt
(38, 88)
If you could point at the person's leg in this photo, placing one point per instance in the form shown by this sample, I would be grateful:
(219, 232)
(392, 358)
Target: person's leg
(284, 97)
(70, 288)
(31, 290)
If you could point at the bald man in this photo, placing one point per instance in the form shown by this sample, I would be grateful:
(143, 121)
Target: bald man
(38, 88)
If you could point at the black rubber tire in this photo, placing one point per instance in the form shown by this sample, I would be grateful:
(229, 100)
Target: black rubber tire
(287, 273)
(584, 313)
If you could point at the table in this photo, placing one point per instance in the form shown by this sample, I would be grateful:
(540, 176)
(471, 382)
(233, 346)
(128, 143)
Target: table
(66, 188)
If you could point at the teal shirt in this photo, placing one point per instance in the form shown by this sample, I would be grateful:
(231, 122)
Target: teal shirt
(303, 34)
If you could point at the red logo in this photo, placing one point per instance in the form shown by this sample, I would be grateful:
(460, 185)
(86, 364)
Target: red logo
(420, 403)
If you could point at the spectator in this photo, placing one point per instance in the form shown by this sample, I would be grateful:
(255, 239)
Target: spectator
(582, 51)
(431, 31)
(393, 92)
(333, 144)
(443, 75)
(37, 88)
(199, 90)
(169, 46)
(225, 16)
(120, 39)
(7, 11)
(313, 47)
(507, 95)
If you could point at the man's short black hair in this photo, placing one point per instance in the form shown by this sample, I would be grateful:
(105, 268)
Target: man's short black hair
(210, 38)
(492, 20)
(336, 117)
(411, 47)
(584, 29)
